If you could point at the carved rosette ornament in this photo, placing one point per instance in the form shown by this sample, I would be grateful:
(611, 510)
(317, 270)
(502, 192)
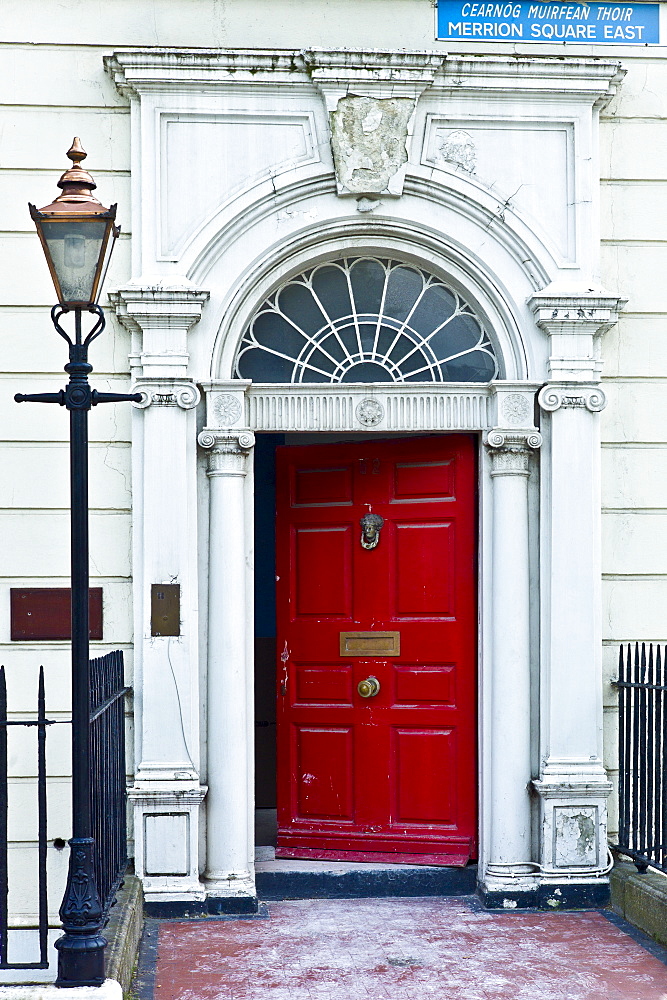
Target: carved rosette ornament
(369, 412)
(555, 397)
(227, 453)
(228, 409)
(516, 410)
(510, 453)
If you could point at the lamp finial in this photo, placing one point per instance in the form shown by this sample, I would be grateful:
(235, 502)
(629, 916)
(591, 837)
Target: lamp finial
(76, 183)
(76, 152)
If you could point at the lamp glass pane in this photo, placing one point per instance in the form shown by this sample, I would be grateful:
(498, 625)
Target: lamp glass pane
(75, 248)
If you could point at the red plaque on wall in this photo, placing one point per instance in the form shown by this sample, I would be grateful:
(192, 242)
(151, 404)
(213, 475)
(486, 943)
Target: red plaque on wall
(44, 613)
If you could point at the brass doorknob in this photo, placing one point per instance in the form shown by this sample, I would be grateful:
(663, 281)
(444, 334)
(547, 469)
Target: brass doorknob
(368, 688)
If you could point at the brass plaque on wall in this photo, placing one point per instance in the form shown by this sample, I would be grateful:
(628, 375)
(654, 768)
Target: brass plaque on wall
(165, 609)
(366, 644)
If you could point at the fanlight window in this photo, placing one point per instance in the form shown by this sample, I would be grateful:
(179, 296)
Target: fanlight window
(365, 319)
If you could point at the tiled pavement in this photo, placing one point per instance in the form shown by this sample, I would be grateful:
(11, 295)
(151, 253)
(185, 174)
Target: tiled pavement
(391, 949)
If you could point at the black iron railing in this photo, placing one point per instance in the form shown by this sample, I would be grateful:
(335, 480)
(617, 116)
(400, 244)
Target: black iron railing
(39, 723)
(107, 778)
(108, 795)
(642, 696)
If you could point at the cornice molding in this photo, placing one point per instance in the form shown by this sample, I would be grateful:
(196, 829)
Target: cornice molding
(575, 323)
(137, 70)
(371, 72)
(589, 314)
(163, 307)
(591, 80)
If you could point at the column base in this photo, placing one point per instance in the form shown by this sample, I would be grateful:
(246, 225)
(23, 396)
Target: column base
(166, 828)
(231, 892)
(573, 824)
(546, 894)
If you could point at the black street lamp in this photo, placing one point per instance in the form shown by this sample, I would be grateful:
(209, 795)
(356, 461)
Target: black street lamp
(78, 235)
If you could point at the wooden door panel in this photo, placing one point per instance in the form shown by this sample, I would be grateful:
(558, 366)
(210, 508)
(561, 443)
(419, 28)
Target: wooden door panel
(392, 776)
(416, 685)
(425, 570)
(322, 567)
(431, 755)
(325, 786)
(326, 487)
(322, 684)
(423, 482)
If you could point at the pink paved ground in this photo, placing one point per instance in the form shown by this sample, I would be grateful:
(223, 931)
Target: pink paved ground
(391, 949)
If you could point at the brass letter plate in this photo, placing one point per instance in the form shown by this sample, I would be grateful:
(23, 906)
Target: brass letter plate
(364, 644)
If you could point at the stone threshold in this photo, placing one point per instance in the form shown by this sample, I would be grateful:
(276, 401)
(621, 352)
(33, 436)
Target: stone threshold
(278, 879)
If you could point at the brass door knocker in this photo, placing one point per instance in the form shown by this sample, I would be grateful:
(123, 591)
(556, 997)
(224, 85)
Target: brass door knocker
(371, 526)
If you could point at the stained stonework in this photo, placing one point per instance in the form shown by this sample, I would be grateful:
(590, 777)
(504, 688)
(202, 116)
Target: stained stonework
(368, 137)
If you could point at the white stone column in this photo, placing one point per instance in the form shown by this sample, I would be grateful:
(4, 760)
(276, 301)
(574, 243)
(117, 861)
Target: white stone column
(572, 784)
(229, 806)
(167, 791)
(509, 673)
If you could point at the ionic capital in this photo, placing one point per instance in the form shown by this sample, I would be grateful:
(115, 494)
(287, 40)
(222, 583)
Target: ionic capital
(227, 452)
(166, 392)
(510, 451)
(555, 396)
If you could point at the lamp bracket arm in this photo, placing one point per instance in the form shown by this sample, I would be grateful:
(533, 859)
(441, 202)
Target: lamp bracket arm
(41, 397)
(116, 397)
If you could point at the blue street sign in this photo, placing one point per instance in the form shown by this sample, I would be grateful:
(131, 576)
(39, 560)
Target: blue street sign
(523, 21)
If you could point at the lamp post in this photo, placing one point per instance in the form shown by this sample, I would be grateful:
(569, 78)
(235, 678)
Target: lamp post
(78, 235)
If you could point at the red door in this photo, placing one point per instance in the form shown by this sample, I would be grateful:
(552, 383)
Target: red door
(392, 774)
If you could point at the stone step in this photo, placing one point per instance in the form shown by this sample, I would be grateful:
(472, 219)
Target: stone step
(278, 879)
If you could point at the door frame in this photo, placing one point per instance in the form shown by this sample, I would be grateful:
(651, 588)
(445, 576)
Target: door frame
(501, 413)
(392, 448)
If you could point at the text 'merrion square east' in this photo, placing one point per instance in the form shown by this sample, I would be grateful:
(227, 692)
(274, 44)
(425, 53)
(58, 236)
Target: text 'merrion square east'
(599, 23)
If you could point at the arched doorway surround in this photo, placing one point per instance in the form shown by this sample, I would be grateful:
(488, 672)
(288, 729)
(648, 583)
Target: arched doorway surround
(399, 407)
(510, 489)
(513, 534)
(542, 785)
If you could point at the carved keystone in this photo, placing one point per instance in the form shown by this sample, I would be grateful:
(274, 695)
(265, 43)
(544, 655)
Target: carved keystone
(369, 141)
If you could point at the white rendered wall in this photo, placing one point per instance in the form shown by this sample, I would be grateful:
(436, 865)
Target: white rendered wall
(633, 136)
(54, 86)
(48, 96)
